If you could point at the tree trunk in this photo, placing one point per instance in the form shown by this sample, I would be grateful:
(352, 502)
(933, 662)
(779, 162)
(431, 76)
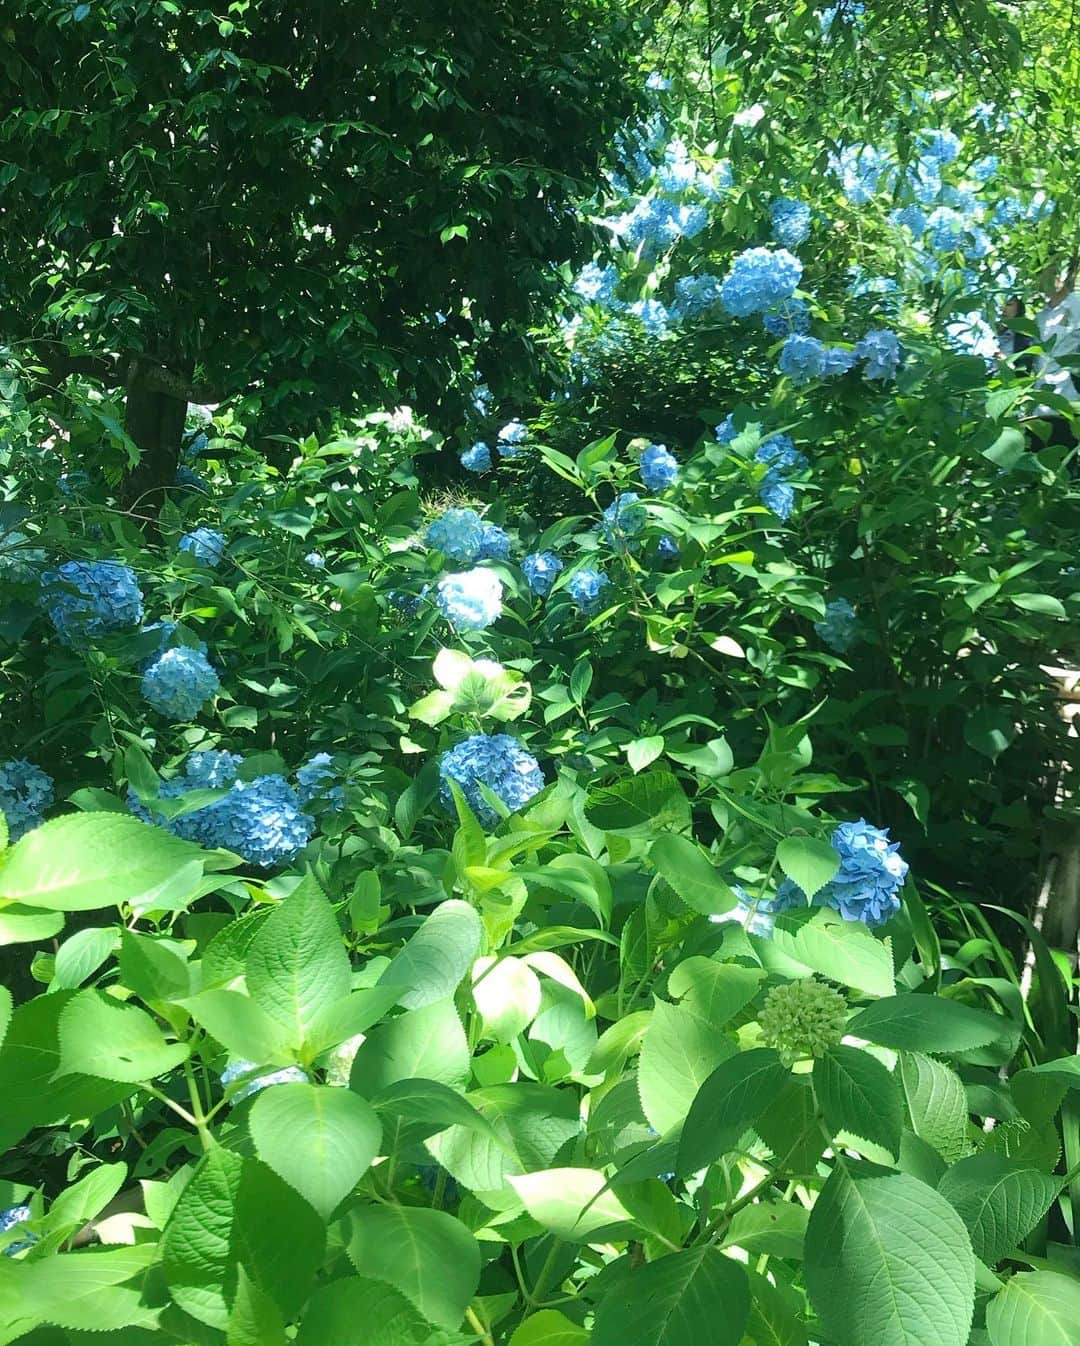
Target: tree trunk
(155, 421)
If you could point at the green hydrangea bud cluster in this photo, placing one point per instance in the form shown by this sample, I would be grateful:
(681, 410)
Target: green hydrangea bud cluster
(803, 1019)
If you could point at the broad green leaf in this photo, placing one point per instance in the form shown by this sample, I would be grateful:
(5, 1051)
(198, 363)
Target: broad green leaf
(928, 1023)
(20, 924)
(357, 1308)
(7, 1007)
(683, 865)
(89, 860)
(775, 1314)
(571, 1202)
(321, 1140)
(427, 1043)
(684, 1299)
(429, 1101)
(1045, 604)
(1000, 1201)
(809, 861)
(81, 954)
(1038, 1090)
(889, 1262)
(859, 1096)
(101, 1037)
(548, 1327)
(774, 1227)
(729, 1102)
(196, 1245)
(679, 1052)
(152, 969)
(714, 991)
(507, 994)
(936, 1104)
(642, 752)
(267, 1207)
(433, 963)
(989, 732)
(84, 1200)
(426, 1255)
(237, 1022)
(74, 1289)
(654, 799)
(345, 1018)
(297, 964)
(254, 1318)
(844, 951)
(1036, 1308)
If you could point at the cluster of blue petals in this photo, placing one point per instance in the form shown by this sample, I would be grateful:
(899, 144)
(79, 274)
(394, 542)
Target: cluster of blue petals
(206, 545)
(659, 467)
(458, 534)
(839, 627)
(179, 683)
(867, 884)
(87, 599)
(497, 762)
(25, 793)
(470, 600)
(759, 279)
(541, 569)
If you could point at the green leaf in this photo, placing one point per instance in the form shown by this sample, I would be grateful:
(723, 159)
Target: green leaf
(196, 1245)
(85, 1199)
(427, 1043)
(266, 1209)
(654, 800)
(20, 924)
(101, 1037)
(859, 1096)
(152, 969)
(549, 1327)
(989, 732)
(1045, 604)
(571, 1202)
(7, 1006)
(682, 865)
(76, 1288)
(889, 1262)
(90, 860)
(679, 1052)
(345, 1018)
(642, 752)
(297, 965)
(729, 1103)
(928, 1023)
(714, 991)
(433, 963)
(353, 1304)
(507, 994)
(844, 951)
(684, 1299)
(775, 1314)
(254, 1318)
(1036, 1308)
(1038, 1090)
(808, 861)
(774, 1227)
(998, 1200)
(936, 1104)
(241, 1027)
(81, 954)
(427, 1255)
(428, 1101)
(321, 1140)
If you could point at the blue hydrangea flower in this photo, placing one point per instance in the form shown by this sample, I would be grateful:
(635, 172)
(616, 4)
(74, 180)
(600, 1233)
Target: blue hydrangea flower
(497, 761)
(838, 629)
(725, 431)
(838, 360)
(667, 549)
(793, 315)
(657, 82)
(712, 185)
(757, 915)
(495, 545)
(778, 497)
(188, 478)
(262, 821)
(238, 1068)
(982, 170)
(871, 875)
(802, 358)
(74, 483)
(912, 218)
(941, 147)
(470, 600)
(1008, 212)
(783, 459)
(211, 770)
(596, 284)
(790, 222)
(652, 314)
(10, 1219)
(25, 793)
(315, 560)
(85, 599)
(624, 518)
(319, 779)
(205, 544)
(477, 458)
(541, 569)
(659, 468)
(945, 229)
(860, 169)
(586, 588)
(695, 295)
(458, 534)
(759, 279)
(881, 351)
(179, 683)
(512, 439)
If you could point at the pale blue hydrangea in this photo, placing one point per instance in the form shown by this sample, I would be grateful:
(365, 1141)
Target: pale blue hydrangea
(624, 518)
(657, 82)
(677, 175)
(793, 315)
(912, 218)
(964, 200)
(725, 431)
(541, 569)
(945, 229)
(496, 761)
(871, 875)
(757, 915)
(880, 349)
(319, 779)
(860, 169)
(940, 146)
(652, 314)
(802, 358)
(212, 769)
(237, 1069)
(190, 480)
(695, 295)
(759, 279)
(470, 600)
(838, 360)
(25, 793)
(86, 599)
(477, 458)
(790, 221)
(205, 544)
(1007, 213)
(495, 544)
(179, 683)
(586, 588)
(838, 628)
(783, 460)
(596, 284)
(844, 12)
(10, 1219)
(659, 467)
(978, 244)
(972, 334)
(315, 560)
(720, 179)
(982, 170)
(512, 439)
(667, 549)
(458, 534)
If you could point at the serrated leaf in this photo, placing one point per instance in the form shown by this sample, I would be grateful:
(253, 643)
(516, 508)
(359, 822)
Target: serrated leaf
(427, 1043)
(889, 1261)
(85, 1199)
(571, 1202)
(237, 1022)
(99, 1036)
(321, 1140)
(433, 963)
(679, 1052)
(999, 1201)
(195, 1247)
(654, 799)
(928, 1023)
(729, 1102)
(151, 969)
(549, 1327)
(714, 991)
(684, 867)
(1036, 1308)
(809, 861)
(859, 1096)
(844, 951)
(936, 1104)
(684, 1299)
(336, 1312)
(81, 954)
(428, 1101)
(642, 752)
(774, 1227)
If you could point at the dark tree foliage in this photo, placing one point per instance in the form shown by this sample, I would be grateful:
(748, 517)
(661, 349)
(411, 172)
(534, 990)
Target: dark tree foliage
(302, 204)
